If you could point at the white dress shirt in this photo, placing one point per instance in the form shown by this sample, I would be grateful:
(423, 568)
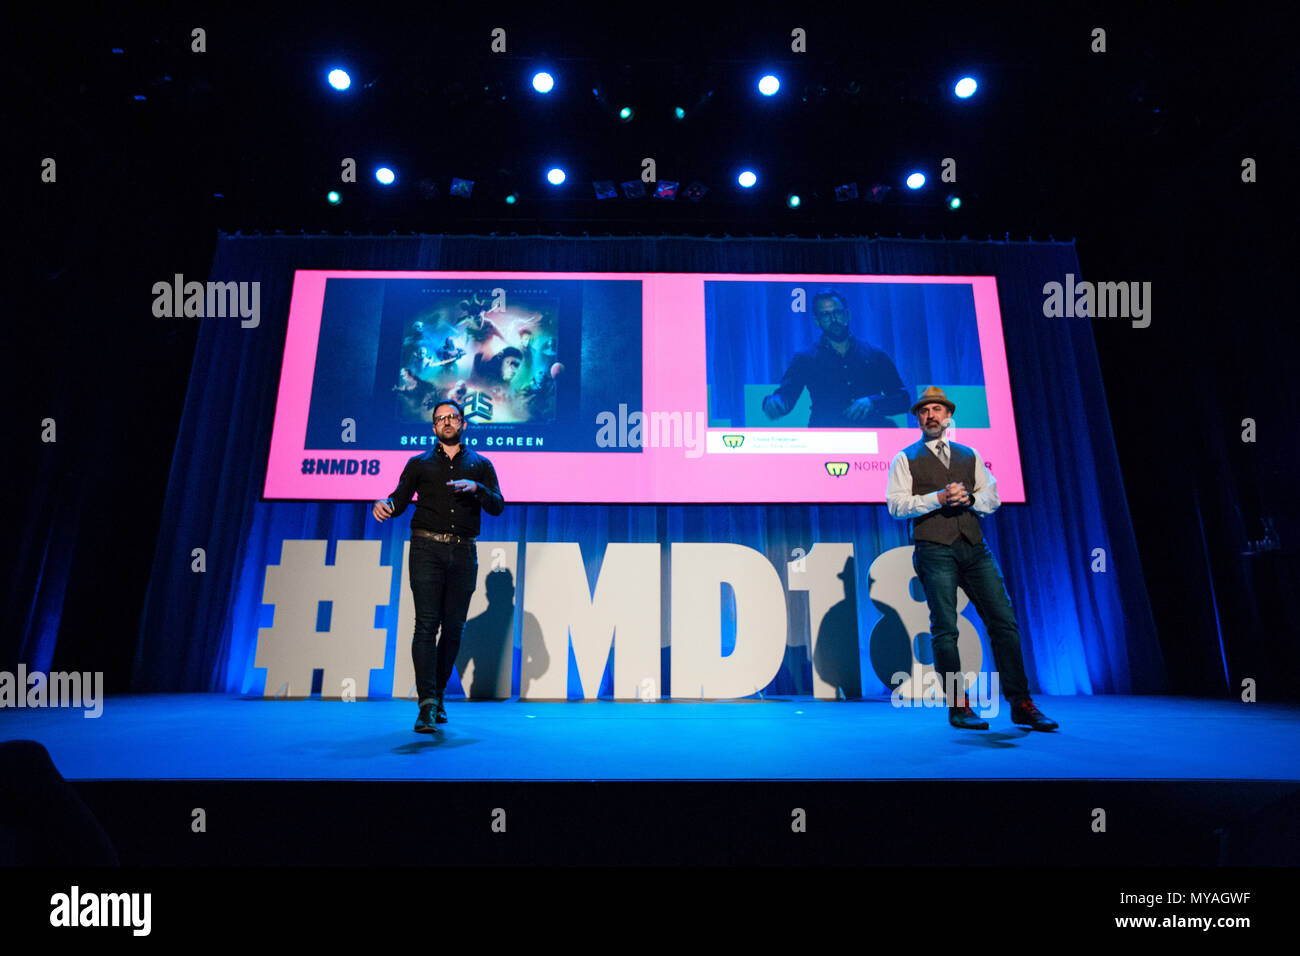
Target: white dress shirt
(904, 504)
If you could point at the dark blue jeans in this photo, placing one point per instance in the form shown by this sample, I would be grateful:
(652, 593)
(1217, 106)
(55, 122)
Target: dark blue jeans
(941, 567)
(443, 578)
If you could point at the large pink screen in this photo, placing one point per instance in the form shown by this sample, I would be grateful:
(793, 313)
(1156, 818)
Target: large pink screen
(697, 355)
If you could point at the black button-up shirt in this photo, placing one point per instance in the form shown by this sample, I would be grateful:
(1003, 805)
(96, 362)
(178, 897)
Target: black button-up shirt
(836, 381)
(439, 508)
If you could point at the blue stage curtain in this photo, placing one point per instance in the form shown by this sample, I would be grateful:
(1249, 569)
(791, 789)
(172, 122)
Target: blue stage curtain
(1083, 632)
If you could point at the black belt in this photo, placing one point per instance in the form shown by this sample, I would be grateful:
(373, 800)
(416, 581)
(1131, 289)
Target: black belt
(443, 536)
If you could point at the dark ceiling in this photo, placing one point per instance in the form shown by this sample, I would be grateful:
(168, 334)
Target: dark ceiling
(1058, 140)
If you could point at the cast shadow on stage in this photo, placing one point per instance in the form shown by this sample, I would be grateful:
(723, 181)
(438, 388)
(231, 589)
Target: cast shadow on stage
(836, 657)
(442, 740)
(994, 739)
(373, 745)
(486, 654)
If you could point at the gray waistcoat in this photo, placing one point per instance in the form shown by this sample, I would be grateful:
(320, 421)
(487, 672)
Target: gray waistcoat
(928, 474)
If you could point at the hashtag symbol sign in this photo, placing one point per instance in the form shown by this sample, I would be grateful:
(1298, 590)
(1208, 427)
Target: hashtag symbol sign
(292, 647)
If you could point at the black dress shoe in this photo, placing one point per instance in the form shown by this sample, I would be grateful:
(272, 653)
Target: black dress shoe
(966, 719)
(441, 713)
(424, 723)
(1024, 712)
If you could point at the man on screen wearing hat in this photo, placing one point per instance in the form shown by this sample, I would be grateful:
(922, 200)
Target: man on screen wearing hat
(944, 488)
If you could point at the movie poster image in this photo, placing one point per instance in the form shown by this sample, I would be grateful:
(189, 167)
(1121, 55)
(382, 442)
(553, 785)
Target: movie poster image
(497, 357)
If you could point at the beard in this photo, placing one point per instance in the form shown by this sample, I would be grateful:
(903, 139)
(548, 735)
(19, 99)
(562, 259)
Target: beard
(837, 333)
(453, 439)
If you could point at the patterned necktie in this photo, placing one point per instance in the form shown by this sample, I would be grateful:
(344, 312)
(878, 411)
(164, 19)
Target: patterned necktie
(942, 449)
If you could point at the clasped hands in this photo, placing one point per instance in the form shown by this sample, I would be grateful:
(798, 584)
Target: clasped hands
(955, 494)
(858, 409)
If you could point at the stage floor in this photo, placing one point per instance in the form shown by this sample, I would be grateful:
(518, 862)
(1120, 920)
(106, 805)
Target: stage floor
(220, 737)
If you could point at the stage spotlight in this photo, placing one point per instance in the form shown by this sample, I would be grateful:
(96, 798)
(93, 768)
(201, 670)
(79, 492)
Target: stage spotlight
(605, 189)
(385, 175)
(634, 189)
(915, 180)
(333, 197)
(555, 176)
(695, 191)
(679, 113)
(747, 179)
(339, 79)
(792, 201)
(953, 201)
(626, 114)
(543, 82)
(667, 189)
(768, 85)
(877, 193)
(512, 198)
(965, 87)
(846, 192)
(461, 188)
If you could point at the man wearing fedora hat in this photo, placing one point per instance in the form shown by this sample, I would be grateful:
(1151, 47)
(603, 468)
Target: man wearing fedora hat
(943, 488)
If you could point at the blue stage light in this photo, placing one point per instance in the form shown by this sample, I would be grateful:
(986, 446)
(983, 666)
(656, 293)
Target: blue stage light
(626, 114)
(792, 201)
(965, 87)
(543, 82)
(385, 175)
(339, 79)
(679, 113)
(954, 201)
(333, 197)
(512, 199)
(768, 85)
(555, 176)
(747, 179)
(916, 180)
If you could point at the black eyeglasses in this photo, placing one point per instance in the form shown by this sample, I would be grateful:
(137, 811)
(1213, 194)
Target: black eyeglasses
(839, 313)
(447, 418)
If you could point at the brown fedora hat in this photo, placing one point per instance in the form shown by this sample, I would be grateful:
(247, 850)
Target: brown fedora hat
(935, 394)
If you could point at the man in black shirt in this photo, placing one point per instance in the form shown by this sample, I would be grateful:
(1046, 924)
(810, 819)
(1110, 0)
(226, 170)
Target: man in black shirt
(455, 485)
(851, 384)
